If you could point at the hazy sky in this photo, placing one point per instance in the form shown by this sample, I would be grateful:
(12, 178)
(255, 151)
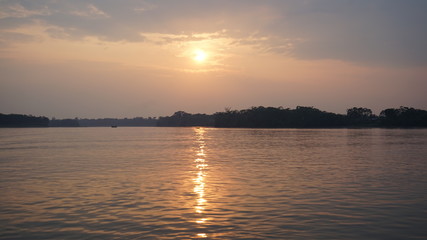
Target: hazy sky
(124, 58)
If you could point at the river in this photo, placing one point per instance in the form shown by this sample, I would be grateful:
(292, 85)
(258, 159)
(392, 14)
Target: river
(208, 183)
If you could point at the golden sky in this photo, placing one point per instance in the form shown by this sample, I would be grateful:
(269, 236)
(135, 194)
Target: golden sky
(152, 58)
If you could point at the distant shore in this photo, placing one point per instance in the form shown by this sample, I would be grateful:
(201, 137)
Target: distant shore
(255, 117)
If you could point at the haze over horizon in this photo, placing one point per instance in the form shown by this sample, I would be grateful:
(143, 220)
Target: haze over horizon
(95, 59)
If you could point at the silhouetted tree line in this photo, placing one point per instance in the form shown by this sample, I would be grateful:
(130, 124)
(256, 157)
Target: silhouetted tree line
(403, 117)
(64, 123)
(361, 117)
(128, 122)
(270, 117)
(19, 120)
(183, 119)
(309, 117)
(255, 117)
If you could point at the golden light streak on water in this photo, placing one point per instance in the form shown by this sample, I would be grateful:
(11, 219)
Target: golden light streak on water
(202, 220)
(199, 181)
(202, 235)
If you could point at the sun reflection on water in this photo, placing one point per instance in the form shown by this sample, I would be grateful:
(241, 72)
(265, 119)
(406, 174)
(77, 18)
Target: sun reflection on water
(199, 180)
(202, 235)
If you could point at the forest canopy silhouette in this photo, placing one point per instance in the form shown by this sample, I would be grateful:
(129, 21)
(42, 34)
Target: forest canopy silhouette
(255, 117)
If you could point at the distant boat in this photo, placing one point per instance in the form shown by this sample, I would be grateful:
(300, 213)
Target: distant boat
(114, 126)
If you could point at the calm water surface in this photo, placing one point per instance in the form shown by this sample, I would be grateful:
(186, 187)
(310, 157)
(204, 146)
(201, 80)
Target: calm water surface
(203, 183)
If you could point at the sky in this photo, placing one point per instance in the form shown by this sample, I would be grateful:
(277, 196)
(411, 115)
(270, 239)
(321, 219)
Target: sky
(128, 58)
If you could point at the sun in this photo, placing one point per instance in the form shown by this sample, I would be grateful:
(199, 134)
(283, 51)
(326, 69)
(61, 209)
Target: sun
(199, 55)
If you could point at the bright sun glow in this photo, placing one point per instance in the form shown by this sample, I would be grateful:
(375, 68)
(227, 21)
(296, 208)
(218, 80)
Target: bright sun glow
(200, 56)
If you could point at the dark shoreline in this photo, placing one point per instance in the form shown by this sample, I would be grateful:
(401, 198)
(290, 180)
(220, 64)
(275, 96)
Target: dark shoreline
(253, 118)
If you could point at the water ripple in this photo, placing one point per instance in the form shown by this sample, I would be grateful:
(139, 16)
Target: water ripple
(201, 183)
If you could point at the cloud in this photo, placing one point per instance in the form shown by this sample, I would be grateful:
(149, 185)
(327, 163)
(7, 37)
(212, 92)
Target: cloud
(16, 10)
(382, 32)
(267, 43)
(375, 32)
(90, 11)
